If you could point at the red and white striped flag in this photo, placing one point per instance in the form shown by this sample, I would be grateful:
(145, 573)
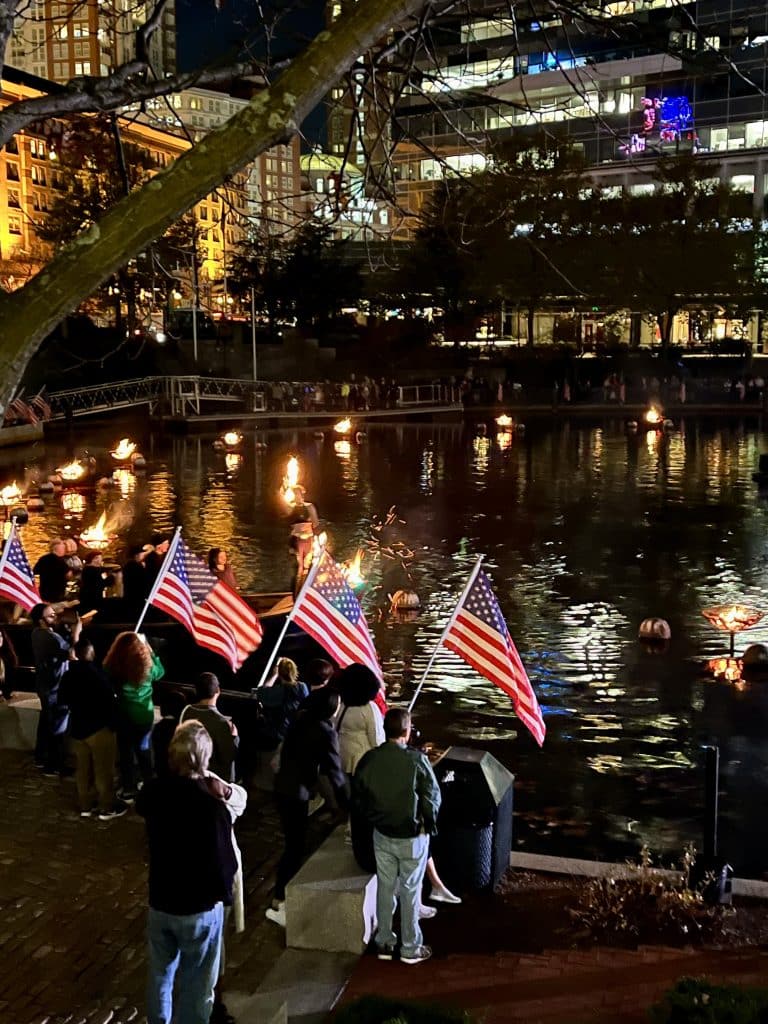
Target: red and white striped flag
(17, 582)
(328, 610)
(40, 406)
(19, 410)
(479, 635)
(216, 616)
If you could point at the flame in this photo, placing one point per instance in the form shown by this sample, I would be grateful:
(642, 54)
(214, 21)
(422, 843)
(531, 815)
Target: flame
(504, 439)
(343, 449)
(96, 536)
(73, 502)
(653, 416)
(503, 420)
(290, 480)
(233, 461)
(72, 471)
(343, 426)
(123, 450)
(9, 493)
(232, 438)
(353, 569)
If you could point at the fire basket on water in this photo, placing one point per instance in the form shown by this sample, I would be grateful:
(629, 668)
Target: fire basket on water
(733, 619)
(232, 438)
(343, 426)
(123, 450)
(72, 472)
(504, 421)
(96, 537)
(10, 493)
(653, 417)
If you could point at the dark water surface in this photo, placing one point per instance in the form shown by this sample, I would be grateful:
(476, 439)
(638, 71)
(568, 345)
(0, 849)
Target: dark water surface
(586, 531)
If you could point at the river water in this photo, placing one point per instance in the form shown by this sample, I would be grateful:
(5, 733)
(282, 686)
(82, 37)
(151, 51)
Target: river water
(585, 529)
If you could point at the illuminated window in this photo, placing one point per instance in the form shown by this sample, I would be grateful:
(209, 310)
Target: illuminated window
(14, 225)
(14, 199)
(743, 183)
(12, 171)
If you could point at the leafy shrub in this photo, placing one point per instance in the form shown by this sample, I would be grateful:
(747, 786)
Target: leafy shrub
(644, 907)
(693, 1001)
(378, 1010)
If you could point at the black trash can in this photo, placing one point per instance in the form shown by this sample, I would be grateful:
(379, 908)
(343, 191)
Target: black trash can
(474, 837)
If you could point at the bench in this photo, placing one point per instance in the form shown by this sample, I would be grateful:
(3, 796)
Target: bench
(330, 904)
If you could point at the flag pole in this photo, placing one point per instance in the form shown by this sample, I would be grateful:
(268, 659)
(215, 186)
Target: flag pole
(443, 635)
(7, 546)
(289, 617)
(159, 578)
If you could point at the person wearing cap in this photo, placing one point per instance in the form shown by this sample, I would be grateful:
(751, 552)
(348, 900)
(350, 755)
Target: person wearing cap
(304, 526)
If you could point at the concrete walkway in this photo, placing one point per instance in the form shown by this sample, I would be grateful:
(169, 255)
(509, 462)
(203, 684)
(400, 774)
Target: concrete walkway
(72, 908)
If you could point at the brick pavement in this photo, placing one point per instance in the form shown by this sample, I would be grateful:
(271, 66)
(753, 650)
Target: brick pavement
(73, 899)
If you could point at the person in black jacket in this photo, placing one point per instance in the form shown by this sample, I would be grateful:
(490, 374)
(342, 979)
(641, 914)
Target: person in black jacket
(192, 867)
(92, 704)
(310, 749)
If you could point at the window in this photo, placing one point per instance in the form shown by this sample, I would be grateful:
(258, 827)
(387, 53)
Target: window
(645, 189)
(83, 68)
(203, 213)
(743, 183)
(12, 171)
(14, 199)
(718, 139)
(11, 146)
(14, 225)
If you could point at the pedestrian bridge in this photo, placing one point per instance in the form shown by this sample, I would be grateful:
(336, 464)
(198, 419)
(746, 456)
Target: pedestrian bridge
(192, 396)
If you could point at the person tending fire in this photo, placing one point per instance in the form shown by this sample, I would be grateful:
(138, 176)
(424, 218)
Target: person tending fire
(305, 523)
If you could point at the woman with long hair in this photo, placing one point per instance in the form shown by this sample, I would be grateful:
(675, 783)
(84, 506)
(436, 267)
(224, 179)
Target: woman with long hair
(133, 667)
(219, 565)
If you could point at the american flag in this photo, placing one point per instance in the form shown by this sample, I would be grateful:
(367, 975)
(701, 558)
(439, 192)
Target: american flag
(17, 581)
(19, 410)
(479, 635)
(40, 406)
(216, 616)
(329, 611)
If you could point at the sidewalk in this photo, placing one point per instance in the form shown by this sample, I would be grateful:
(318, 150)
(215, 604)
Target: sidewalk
(73, 900)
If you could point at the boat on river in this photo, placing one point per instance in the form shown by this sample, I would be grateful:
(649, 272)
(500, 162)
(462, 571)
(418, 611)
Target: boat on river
(182, 658)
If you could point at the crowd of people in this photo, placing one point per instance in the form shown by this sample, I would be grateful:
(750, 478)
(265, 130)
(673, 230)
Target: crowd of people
(345, 396)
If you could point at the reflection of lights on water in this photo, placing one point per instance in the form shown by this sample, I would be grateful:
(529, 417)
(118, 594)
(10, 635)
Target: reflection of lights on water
(427, 469)
(73, 502)
(727, 669)
(652, 439)
(482, 448)
(343, 449)
(233, 461)
(162, 502)
(504, 440)
(125, 480)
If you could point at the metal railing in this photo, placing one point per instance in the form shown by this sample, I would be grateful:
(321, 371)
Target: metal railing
(177, 395)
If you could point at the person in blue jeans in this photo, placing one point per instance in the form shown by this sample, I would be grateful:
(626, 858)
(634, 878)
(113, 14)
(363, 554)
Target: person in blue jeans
(192, 866)
(395, 790)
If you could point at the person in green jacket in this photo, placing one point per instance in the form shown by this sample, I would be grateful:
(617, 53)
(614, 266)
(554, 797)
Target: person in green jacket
(133, 667)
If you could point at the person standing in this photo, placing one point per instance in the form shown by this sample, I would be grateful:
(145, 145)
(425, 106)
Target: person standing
(133, 667)
(92, 718)
(135, 580)
(192, 866)
(51, 654)
(153, 561)
(304, 526)
(53, 572)
(222, 730)
(9, 662)
(395, 790)
(218, 563)
(310, 750)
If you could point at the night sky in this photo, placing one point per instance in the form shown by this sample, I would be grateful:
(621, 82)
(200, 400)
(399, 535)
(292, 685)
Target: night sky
(207, 35)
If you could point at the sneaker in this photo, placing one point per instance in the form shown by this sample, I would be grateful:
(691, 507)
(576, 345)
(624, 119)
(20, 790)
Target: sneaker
(278, 916)
(118, 810)
(420, 954)
(127, 796)
(426, 912)
(443, 895)
(385, 952)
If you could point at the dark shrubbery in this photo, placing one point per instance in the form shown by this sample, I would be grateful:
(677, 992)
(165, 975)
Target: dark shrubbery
(694, 1001)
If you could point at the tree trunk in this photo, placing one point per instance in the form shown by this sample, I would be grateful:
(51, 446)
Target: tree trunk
(272, 116)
